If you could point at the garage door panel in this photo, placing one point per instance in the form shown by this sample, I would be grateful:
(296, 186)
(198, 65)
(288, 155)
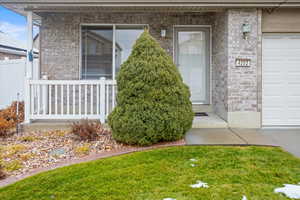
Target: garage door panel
(272, 114)
(273, 90)
(293, 90)
(281, 79)
(273, 102)
(293, 102)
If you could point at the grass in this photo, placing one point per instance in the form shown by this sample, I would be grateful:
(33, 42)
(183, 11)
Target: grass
(153, 175)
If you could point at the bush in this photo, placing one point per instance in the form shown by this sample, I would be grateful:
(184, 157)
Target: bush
(2, 174)
(5, 127)
(88, 130)
(153, 103)
(10, 113)
(9, 118)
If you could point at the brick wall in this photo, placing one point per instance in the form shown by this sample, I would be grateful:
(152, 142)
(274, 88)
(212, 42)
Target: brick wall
(60, 35)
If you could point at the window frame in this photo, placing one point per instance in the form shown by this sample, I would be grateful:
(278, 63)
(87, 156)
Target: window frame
(114, 28)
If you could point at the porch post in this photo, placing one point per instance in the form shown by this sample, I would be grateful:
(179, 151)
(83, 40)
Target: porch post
(102, 99)
(29, 66)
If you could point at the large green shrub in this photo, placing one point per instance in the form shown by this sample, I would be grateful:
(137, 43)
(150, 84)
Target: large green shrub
(153, 103)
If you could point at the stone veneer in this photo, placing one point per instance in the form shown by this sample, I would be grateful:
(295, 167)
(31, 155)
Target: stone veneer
(235, 91)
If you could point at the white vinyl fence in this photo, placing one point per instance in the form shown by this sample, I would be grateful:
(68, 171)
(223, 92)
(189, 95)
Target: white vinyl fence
(12, 77)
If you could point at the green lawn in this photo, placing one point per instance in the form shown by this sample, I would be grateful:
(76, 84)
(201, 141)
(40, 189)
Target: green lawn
(230, 172)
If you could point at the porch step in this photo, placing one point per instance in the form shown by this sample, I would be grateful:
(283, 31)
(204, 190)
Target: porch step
(211, 121)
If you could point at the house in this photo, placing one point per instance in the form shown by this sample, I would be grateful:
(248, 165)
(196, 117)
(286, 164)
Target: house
(12, 68)
(240, 58)
(11, 49)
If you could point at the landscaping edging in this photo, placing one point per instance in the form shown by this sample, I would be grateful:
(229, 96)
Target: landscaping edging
(12, 179)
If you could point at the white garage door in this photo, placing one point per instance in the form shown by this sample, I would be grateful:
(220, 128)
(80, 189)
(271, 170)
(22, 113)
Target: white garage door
(281, 80)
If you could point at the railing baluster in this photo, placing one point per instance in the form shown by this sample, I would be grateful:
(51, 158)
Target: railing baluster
(102, 100)
(50, 98)
(32, 98)
(79, 100)
(74, 103)
(38, 99)
(85, 99)
(92, 98)
(68, 99)
(55, 99)
(44, 95)
(97, 99)
(106, 99)
(62, 99)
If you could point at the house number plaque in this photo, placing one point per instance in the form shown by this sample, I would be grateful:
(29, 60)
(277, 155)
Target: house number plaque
(241, 62)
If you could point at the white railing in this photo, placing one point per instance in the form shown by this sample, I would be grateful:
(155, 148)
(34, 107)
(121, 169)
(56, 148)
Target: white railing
(71, 99)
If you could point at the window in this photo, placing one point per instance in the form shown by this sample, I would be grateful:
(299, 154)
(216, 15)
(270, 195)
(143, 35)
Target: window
(105, 48)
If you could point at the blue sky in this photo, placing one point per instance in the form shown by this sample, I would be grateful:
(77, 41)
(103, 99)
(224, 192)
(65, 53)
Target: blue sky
(13, 24)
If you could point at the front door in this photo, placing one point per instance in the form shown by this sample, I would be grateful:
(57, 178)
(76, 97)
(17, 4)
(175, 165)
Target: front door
(192, 57)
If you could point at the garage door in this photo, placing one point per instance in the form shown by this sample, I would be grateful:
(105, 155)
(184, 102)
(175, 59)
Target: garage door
(281, 80)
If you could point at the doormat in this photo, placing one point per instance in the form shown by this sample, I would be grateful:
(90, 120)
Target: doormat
(201, 114)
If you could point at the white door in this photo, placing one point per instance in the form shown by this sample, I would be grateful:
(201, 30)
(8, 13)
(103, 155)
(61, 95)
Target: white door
(281, 80)
(192, 59)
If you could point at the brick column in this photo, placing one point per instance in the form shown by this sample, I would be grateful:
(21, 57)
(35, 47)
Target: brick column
(243, 104)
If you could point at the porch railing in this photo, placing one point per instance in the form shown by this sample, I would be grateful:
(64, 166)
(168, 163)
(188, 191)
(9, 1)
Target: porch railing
(71, 99)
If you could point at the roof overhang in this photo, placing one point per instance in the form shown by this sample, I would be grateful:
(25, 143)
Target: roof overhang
(21, 6)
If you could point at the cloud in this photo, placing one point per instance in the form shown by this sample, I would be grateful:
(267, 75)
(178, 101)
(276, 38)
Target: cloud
(15, 31)
(18, 32)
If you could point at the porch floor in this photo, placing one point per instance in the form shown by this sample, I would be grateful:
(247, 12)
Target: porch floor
(210, 121)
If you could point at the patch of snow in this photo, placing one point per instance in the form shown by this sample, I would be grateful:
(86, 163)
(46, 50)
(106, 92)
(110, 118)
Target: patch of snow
(244, 198)
(291, 191)
(199, 184)
(169, 199)
(193, 160)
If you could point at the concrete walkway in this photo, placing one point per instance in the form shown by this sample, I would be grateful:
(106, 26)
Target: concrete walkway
(288, 139)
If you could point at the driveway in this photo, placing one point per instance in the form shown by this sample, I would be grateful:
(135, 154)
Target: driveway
(288, 139)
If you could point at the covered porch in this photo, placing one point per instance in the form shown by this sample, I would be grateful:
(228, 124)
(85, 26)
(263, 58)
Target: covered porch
(82, 51)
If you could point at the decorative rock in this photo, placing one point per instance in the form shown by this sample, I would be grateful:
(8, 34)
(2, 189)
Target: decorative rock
(57, 152)
(51, 148)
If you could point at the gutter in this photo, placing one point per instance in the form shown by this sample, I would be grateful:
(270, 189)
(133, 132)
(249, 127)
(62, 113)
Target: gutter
(16, 51)
(140, 3)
